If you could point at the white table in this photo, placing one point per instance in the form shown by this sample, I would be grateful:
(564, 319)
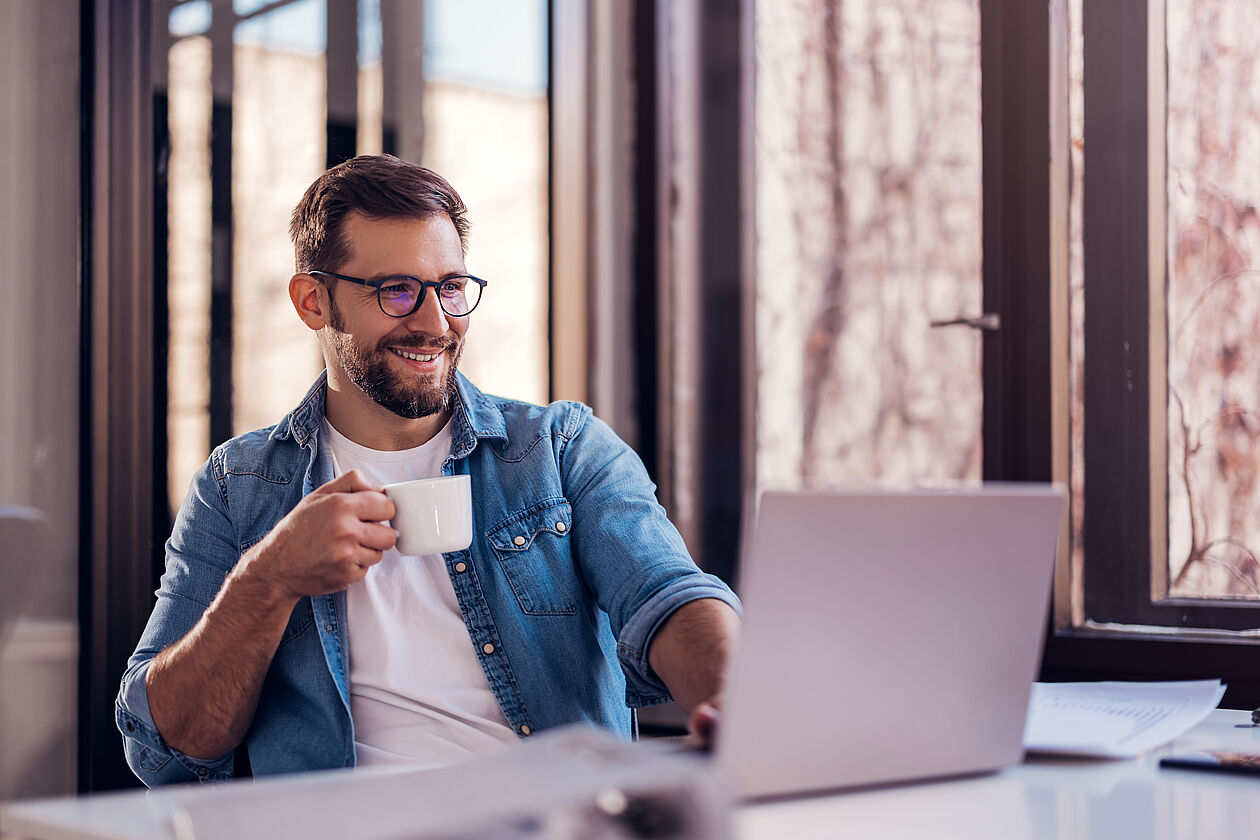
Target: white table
(1041, 799)
(1044, 799)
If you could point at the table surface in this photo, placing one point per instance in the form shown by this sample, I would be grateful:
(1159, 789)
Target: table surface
(1040, 799)
(1046, 799)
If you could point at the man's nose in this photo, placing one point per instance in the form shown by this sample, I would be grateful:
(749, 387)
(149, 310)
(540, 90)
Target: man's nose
(428, 318)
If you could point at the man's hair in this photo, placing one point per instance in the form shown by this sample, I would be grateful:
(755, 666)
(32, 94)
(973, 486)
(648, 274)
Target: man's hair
(376, 186)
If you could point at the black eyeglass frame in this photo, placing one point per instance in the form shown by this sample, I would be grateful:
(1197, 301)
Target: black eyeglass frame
(379, 283)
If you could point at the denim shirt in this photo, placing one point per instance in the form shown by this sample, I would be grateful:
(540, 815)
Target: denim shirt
(570, 609)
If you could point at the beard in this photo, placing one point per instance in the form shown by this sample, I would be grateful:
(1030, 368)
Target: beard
(369, 368)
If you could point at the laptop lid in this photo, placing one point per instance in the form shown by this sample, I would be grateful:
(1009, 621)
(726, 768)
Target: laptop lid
(888, 635)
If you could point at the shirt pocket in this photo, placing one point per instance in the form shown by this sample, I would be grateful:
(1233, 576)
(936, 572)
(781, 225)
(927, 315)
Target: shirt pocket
(534, 552)
(301, 618)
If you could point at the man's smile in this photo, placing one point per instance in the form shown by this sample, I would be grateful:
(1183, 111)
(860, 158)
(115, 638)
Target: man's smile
(416, 357)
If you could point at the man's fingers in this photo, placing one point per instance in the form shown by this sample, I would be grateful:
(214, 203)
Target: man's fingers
(368, 502)
(372, 506)
(377, 537)
(703, 724)
(348, 482)
(369, 557)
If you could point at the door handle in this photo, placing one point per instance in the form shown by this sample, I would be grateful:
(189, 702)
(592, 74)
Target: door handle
(989, 322)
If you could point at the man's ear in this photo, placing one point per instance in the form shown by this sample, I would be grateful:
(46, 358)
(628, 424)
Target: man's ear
(310, 299)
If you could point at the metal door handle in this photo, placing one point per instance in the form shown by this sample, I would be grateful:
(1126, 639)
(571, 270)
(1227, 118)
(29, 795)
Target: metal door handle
(989, 321)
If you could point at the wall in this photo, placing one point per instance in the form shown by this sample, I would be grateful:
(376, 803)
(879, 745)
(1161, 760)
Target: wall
(39, 381)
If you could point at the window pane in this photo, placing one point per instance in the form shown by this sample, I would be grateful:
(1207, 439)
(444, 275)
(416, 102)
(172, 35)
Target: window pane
(39, 415)
(370, 81)
(868, 228)
(1076, 304)
(188, 268)
(485, 117)
(279, 118)
(1213, 298)
(229, 313)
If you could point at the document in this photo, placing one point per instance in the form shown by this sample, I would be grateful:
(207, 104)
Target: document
(1115, 719)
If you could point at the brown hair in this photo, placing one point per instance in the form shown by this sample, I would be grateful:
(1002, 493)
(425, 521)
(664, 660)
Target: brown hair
(377, 186)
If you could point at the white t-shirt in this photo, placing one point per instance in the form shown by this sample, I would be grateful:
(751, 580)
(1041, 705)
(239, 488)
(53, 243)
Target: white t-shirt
(417, 691)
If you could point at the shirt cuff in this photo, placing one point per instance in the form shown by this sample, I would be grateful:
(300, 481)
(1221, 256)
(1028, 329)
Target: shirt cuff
(134, 696)
(147, 751)
(643, 686)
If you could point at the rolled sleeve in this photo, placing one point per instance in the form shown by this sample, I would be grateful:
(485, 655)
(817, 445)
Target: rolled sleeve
(152, 760)
(636, 637)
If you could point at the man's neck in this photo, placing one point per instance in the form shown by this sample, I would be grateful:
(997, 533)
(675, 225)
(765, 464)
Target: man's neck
(362, 420)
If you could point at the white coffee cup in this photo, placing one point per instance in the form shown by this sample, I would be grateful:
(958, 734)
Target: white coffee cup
(432, 515)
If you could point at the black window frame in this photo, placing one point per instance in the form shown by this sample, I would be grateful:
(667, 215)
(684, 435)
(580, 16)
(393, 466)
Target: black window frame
(120, 544)
(1119, 575)
(1118, 347)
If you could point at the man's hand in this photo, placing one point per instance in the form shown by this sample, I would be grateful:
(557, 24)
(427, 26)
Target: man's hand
(326, 543)
(702, 723)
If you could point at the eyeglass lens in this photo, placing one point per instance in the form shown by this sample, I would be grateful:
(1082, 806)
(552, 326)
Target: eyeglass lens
(456, 296)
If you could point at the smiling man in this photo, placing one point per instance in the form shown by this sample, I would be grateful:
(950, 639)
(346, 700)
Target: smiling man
(290, 634)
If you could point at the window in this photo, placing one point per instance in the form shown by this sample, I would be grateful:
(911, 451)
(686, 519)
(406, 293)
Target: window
(253, 101)
(1164, 255)
(1213, 310)
(1168, 512)
(486, 113)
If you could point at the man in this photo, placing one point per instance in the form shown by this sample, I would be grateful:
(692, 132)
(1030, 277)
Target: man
(287, 622)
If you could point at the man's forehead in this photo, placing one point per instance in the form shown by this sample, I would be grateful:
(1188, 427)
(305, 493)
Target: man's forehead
(432, 241)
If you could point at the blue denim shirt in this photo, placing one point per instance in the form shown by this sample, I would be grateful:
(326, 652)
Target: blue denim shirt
(570, 613)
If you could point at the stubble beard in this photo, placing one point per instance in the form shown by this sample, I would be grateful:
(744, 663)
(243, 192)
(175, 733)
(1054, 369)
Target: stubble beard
(370, 370)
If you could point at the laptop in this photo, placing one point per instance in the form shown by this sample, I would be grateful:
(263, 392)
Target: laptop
(889, 636)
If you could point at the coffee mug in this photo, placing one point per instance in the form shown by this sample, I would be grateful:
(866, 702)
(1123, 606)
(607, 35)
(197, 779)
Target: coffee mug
(432, 515)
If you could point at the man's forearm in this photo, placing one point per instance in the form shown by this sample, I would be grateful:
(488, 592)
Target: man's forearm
(203, 690)
(691, 650)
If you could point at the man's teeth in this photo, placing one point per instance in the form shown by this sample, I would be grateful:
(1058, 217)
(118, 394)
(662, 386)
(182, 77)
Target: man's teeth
(416, 357)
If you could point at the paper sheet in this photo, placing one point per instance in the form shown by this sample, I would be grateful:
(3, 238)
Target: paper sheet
(1115, 719)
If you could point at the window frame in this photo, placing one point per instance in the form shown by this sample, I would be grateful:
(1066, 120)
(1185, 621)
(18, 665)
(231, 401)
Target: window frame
(1126, 350)
(1131, 631)
(121, 545)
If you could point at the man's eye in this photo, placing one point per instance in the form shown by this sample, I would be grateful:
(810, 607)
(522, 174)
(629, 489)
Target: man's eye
(396, 288)
(452, 287)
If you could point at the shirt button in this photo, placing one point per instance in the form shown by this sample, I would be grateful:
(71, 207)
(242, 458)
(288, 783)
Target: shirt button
(131, 727)
(525, 730)
(328, 628)
(461, 567)
(560, 526)
(519, 540)
(487, 648)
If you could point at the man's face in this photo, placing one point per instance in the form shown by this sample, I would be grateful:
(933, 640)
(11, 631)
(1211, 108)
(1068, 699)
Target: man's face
(368, 345)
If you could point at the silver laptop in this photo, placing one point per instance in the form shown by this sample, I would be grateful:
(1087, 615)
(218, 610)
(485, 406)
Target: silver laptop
(888, 636)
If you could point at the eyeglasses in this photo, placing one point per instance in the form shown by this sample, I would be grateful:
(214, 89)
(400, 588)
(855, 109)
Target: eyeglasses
(401, 295)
